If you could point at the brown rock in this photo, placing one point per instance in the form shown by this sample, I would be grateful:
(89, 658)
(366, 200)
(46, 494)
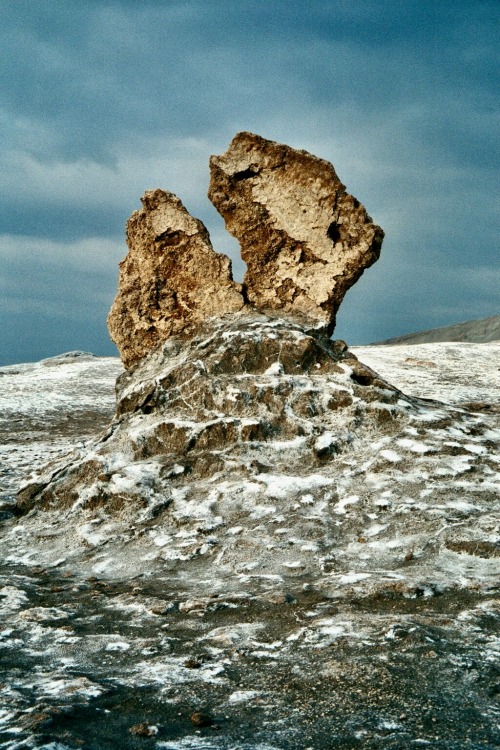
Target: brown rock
(304, 239)
(171, 279)
(200, 719)
(144, 730)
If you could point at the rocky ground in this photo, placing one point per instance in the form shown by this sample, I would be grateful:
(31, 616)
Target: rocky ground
(259, 553)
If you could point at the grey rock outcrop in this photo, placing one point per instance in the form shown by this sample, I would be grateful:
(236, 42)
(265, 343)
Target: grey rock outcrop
(258, 446)
(171, 280)
(304, 239)
(474, 331)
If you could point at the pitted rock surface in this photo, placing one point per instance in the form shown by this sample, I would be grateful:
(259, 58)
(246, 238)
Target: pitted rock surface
(304, 239)
(170, 280)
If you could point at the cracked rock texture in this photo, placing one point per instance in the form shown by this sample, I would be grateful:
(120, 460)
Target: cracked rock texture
(304, 239)
(195, 410)
(170, 281)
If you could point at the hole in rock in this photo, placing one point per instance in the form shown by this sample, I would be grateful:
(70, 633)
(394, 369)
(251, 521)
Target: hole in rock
(333, 232)
(362, 378)
(245, 174)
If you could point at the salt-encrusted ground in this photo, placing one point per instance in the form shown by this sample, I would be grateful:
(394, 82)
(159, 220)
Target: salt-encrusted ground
(380, 630)
(48, 407)
(450, 372)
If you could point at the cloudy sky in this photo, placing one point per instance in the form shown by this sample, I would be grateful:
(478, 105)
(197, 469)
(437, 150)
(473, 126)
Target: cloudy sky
(102, 99)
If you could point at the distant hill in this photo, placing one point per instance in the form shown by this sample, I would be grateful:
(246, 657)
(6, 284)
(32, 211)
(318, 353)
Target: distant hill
(475, 331)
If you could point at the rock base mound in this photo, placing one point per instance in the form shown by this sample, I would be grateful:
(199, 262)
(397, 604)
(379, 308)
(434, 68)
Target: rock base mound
(259, 449)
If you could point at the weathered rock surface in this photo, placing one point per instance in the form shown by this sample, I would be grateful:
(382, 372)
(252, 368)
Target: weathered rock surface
(268, 533)
(269, 540)
(304, 239)
(216, 403)
(258, 446)
(170, 280)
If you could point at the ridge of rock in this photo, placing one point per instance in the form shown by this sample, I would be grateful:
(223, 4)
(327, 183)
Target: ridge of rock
(480, 331)
(170, 280)
(305, 240)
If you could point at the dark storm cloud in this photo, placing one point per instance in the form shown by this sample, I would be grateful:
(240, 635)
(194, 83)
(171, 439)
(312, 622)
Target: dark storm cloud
(101, 100)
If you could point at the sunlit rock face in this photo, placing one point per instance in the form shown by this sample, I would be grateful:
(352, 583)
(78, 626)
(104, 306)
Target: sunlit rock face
(170, 280)
(304, 239)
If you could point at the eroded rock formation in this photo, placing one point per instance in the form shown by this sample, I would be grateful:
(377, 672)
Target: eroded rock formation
(171, 279)
(304, 239)
(262, 507)
(246, 396)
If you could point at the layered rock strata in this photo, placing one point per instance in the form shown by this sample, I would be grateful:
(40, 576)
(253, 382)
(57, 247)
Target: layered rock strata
(304, 239)
(171, 279)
